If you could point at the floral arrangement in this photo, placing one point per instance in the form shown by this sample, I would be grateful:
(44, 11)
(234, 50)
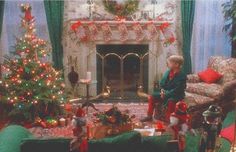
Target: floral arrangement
(121, 9)
(113, 116)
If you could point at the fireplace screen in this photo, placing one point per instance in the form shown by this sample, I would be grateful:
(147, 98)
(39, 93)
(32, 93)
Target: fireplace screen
(123, 68)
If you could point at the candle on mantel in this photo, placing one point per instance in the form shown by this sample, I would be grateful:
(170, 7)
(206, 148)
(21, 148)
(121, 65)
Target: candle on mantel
(89, 76)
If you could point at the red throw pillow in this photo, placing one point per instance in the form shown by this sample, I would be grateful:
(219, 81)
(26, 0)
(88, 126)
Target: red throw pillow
(209, 75)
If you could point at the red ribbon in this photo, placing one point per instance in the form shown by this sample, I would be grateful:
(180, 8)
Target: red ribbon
(28, 16)
(164, 26)
(75, 26)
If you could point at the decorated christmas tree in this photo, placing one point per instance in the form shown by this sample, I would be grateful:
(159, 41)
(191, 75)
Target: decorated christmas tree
(31, 87)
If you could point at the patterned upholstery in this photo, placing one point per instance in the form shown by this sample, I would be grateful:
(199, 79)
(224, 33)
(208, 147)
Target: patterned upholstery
(193, 78)
(200, 93)
(204, 89)
(195, 99)
(227, 67)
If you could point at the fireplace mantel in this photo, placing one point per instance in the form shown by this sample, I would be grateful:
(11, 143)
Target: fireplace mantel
(84, 54)
(118, 22)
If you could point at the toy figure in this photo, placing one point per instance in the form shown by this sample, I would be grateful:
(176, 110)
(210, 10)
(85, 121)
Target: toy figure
(79, 130)
(180, 123)
(79, 123)
(172, 88)
(211, 128)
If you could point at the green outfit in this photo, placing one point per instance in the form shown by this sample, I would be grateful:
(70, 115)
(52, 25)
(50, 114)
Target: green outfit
(174, 88)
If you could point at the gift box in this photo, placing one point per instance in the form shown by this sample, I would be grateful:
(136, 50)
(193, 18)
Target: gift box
(99, 131)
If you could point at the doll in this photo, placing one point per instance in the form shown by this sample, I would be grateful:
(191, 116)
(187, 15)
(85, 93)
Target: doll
(180, 123)
(79, 130)
(79, 123)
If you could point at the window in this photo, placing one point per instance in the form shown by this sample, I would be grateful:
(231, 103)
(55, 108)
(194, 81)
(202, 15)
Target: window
(12, 23)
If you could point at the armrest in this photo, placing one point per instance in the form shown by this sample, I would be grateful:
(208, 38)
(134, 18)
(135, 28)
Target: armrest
(229, 87)
(193, 78)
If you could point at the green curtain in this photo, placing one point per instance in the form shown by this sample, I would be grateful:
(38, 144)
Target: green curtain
(234, 41)
(54, 13)
(187, 14)
(1, 15)
(233, 54)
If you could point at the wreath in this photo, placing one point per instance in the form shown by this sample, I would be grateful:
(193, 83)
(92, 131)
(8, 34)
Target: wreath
(124, 9)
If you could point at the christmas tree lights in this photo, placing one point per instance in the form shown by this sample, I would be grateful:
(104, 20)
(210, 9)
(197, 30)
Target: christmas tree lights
(30, 85)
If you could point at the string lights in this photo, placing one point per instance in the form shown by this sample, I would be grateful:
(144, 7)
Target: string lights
(28, 79)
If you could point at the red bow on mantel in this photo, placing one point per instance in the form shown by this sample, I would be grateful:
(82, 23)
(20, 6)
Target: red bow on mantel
(164, 26)
(75, 26)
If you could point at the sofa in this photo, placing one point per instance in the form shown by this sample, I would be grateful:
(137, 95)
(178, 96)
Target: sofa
(18, 139)
(15, 138)
(200, 95)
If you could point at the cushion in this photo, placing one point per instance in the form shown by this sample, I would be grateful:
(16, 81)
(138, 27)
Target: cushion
(214, 62)
(147, 144)
(126, 142)
(154, 144)
(45, 145)
(209, 75)
(11, 138)
(224, 66)
(204, 89)
(228, 133)
(193, 99)
(193, 78)
(227, 67)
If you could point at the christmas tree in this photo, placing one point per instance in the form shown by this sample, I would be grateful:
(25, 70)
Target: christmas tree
(30, 86)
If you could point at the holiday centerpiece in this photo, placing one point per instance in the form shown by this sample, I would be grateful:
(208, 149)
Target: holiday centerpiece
(111, 122)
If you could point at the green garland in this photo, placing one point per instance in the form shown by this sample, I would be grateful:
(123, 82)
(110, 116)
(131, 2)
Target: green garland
(127, 8)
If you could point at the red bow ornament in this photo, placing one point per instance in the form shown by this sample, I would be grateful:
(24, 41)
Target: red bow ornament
(75, 26)
(26, 8)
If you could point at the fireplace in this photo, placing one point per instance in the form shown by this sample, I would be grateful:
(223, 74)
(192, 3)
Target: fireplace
(122, 67)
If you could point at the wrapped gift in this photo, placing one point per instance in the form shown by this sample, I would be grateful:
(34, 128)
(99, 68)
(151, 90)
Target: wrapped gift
(110, 122)
(99, 131)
